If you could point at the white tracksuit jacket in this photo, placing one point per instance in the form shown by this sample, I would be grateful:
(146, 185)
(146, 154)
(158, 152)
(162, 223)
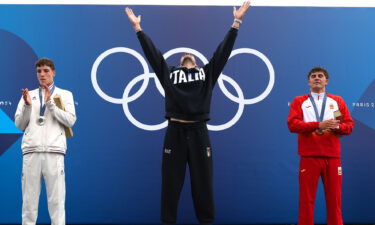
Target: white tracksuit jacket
(51, 136)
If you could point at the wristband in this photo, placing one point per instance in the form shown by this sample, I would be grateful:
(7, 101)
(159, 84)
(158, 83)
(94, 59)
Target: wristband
(238, 21)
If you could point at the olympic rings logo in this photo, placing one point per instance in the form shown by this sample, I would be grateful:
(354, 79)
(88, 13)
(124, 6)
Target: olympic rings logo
(145, 77)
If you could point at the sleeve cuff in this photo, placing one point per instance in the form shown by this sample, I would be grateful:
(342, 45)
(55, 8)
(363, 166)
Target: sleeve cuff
(234, 30)
(27, 106)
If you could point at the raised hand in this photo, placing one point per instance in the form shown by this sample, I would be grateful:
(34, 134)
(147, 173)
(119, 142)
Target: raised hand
(134, 20)
(240, 13)
(26, 96)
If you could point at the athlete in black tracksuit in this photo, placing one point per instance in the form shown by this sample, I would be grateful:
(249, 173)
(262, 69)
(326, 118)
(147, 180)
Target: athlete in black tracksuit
(188, 94)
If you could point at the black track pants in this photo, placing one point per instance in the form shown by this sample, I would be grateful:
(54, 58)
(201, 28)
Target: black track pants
(187, 143)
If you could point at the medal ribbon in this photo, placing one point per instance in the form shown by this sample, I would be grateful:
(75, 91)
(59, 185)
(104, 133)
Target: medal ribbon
(43, 107)
(319, 118)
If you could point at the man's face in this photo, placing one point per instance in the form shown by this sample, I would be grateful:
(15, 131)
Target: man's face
(188, 60)
(45, 75)
(317, 81)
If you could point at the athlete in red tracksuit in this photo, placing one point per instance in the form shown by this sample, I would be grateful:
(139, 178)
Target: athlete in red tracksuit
(312, 117)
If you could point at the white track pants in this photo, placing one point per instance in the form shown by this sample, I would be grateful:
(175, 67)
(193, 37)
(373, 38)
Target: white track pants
(50, 166)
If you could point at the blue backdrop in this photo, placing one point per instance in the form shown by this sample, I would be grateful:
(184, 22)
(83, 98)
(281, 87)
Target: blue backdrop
(113, 167)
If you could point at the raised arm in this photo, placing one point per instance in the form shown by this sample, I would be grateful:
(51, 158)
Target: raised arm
(239, 14)
(153, 55)
(134, 20)
(223, 51)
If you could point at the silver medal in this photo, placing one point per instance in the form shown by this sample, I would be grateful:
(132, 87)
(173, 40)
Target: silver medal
(41, 120)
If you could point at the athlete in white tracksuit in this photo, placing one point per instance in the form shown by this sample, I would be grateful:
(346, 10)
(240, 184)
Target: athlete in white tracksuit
(44, 144)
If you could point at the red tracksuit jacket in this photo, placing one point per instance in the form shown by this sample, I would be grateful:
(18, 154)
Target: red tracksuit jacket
(302, 120)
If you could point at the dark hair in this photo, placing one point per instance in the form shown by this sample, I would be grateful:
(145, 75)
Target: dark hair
(45, 62)
(318, 69)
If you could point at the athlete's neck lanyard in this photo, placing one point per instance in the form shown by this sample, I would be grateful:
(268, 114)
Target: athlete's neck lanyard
(43, 107)
(319, 118)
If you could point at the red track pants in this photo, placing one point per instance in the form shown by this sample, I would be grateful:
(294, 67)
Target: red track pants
(311, 168)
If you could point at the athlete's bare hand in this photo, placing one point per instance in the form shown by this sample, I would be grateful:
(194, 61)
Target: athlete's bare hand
(240, 13)
(134, 20)
(329, 124)
(26, 96)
